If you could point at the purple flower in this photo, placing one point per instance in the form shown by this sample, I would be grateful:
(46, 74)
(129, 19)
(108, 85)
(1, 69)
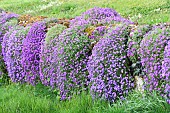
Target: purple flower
(31, 50)
(154, 58)
(47, 66)
(13, 54)
(108, 66)
(98, 16)
(69, 60)
(166, 71)
(5, 25)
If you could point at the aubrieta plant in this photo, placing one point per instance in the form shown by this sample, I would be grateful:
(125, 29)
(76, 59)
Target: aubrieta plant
(5, 42)
(166, 71)
(47, 67)
(32, 48)
(152, 56)
(98, 16)
(100, 51)
(14, 53)
(71, 56)
(5, 26)
(108, 66)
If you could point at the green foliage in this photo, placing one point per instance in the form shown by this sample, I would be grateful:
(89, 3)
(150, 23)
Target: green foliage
(39, 99)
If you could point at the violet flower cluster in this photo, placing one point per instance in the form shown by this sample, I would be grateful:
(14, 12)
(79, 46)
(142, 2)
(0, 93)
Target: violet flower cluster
(14, 53)
(31, 51)
(153, 58)
(98, 51)
(71, 56)
(108, 66)
(47, 67)
(5, 27)
(6, 24)
(5, 42)
(166, 71)
(98, 16)
(3, 49)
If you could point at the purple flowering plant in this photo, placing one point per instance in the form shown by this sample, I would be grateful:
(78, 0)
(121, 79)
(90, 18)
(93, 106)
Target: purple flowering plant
(14, 53)
(166, 71)
(71, 56)
(5, 27)
(32, 49)
(153, 52)
(3, 46)
(108, 66)
(47, 67)
(98, 16)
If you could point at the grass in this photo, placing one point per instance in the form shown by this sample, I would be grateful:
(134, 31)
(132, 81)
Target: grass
(141, 11)
(39, 99)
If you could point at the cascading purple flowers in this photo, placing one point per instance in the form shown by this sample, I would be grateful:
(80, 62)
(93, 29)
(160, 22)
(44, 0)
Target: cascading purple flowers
(5, 41)
(3, 49)
(108, 66)
(154, 57)
(13, 55)
(6, 25)
(31, 50)
(166, 70)
(47, 67)
(98, 16)
(71, 56)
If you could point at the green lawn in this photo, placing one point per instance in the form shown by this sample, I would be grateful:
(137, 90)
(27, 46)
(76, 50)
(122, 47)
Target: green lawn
(142, 11)
(28, 99)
